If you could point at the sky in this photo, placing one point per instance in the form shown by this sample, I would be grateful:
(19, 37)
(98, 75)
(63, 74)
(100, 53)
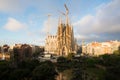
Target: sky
(27, 21)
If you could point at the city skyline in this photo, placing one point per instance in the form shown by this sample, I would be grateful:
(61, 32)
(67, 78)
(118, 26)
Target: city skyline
(27, 21)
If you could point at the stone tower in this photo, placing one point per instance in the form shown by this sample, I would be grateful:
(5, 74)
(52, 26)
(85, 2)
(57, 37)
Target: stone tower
(65, 39)
(64, 42)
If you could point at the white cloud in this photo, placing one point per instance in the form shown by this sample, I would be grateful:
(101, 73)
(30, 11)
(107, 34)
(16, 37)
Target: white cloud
(108, 17)
(86, 37)
(14, 25)
(78, 36)
(84, 25)
(106, 20)
(18, 6)
(13, 6)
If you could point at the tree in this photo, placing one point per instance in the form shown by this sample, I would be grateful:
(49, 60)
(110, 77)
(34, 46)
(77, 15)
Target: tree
(117, 51)
(4, 70)
(61, 59)
(113, 69)
(28, 64)
(70, 56)
(19, 74)
(46, 71)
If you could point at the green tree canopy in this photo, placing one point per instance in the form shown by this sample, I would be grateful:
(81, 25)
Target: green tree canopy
(46, 71)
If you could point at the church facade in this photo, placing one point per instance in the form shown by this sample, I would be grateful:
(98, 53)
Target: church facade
(65, 39)
(51, 44)
(64, 42)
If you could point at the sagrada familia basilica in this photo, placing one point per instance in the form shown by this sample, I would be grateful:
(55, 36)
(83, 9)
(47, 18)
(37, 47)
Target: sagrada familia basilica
(63, 42)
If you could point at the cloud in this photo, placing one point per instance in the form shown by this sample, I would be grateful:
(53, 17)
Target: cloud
(14, 25)
(78, 36)
(18, 6)
(105, 21)
(12, 6)
(85, 23)
(88, 38)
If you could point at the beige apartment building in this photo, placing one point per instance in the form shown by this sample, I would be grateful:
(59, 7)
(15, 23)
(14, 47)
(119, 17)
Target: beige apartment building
(100, 48)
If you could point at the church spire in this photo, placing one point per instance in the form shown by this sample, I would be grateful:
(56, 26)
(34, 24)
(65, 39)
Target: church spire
(83, 42)
(60, 21)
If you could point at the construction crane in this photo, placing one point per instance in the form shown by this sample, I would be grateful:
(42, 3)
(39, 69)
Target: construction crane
(48, 24)
(62, 12)
(67, 12)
